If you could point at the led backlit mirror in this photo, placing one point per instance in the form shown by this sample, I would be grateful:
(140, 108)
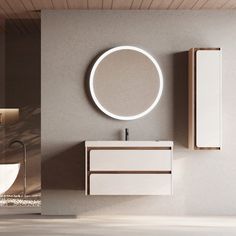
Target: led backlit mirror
(126, 83)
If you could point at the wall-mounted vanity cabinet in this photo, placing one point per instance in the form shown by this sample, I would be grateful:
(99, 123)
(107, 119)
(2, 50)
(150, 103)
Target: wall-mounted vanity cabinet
(128, 167)
(205, 92)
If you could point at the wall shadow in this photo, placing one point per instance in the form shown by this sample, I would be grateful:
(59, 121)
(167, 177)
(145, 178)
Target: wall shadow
(65, 170)
(23, 68)
(21, 26)
(86, 82)
(22, 90)
(180, 65)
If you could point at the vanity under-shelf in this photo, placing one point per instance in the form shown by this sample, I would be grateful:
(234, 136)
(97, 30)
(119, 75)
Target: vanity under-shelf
(128, 167)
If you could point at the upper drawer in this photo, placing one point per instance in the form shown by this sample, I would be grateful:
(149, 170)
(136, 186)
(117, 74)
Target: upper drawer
(130, 160)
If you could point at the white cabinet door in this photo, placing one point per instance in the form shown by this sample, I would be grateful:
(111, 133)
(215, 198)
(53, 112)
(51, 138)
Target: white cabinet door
(130, 184)
(130, 160)
(208, 98)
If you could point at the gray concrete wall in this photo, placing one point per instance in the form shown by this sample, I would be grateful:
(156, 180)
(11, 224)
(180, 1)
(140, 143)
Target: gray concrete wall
(204, 181)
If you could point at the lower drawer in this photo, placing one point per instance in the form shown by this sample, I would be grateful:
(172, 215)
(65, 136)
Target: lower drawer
(130, 184)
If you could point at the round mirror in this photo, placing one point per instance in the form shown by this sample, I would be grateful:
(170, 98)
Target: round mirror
(126, 83)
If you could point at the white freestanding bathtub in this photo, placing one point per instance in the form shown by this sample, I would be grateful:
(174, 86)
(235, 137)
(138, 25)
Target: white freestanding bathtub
(8, 175)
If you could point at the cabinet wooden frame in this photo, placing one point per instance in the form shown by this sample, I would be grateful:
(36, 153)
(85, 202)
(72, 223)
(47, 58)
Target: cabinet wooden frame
(89, 172)
(192, 101)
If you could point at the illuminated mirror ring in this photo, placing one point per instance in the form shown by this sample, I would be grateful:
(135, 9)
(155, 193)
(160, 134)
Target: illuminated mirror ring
(159, 81)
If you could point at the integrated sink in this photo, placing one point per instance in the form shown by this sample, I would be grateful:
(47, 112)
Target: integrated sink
(129, 143)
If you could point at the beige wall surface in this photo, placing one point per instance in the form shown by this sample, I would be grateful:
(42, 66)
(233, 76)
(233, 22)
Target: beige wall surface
(204, 181)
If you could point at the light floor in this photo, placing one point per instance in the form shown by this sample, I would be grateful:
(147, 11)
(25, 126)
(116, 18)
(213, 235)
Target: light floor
(113, 226)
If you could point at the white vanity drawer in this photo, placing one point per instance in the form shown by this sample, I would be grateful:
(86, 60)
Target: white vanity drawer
(130, 184)
(130, 160)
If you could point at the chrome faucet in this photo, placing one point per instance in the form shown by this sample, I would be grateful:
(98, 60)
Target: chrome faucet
(126, 134)
(24, 161)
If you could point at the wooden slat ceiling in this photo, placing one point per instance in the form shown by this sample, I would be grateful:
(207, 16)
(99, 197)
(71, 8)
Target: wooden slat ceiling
(20, 10)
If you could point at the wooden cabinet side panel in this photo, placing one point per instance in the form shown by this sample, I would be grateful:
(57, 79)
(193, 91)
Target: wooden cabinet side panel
(191, 99)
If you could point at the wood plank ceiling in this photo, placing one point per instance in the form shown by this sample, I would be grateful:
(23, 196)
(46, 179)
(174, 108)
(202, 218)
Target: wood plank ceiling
(21, 10)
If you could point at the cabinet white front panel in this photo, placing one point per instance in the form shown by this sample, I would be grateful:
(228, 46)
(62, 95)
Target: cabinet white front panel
(144, 160)
(208, 98)
(130, 184)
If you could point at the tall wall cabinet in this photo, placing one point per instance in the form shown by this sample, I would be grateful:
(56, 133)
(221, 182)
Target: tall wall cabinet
(205, 93)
